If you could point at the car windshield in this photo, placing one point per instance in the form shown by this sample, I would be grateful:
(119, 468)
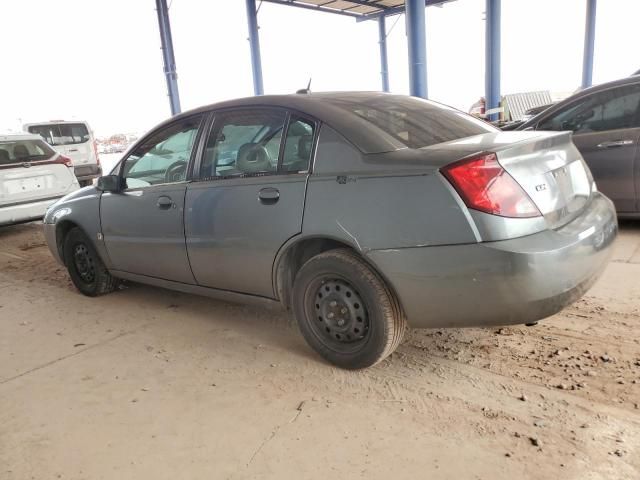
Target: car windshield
(414, 122)
(21, 151)
(62, 133)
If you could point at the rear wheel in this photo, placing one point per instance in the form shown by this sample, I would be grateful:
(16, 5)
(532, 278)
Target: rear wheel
(85, 267)
(345, 311)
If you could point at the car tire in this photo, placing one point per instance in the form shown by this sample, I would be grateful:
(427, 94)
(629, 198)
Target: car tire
(85, 183)
(85, 267)
(345, 310)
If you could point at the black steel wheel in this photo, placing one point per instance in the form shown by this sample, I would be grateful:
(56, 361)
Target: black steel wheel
(345, 311)
(85, 267)
(343, 321)
(83, 263)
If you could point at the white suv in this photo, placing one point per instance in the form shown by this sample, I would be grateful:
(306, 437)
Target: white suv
(73, 139)
(32, 177)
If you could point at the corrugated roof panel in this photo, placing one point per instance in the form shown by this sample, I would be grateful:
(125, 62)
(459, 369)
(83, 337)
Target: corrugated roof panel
(518, 103)
(354, 8)
(365, 9)
(391, 3)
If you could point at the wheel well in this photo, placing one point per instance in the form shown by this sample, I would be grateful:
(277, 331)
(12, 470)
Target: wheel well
(296, 256)
(62, 229)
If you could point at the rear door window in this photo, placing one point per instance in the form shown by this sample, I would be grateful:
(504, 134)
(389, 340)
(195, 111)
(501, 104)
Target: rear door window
(612, 109)
(298, 147)
(62, 133)
(244, 143)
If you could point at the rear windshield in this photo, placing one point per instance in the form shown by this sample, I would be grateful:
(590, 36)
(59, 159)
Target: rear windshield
(414, 122)
(62, 134)
(20, 151)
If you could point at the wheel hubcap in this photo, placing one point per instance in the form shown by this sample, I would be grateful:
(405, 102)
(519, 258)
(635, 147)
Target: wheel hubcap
(341, 316)
(84, 263)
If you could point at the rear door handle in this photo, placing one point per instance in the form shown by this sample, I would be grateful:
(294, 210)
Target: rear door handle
(164, 202)
(269, 195)
(616, 143)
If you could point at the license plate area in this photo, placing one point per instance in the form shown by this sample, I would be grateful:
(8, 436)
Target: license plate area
(29, 184)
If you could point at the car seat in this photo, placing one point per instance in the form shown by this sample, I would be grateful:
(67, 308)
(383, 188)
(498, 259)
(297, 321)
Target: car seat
(253, 158)
(20, 151)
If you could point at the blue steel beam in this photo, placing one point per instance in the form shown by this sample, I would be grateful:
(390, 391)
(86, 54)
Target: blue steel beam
(167, 56)
(492, 58)
(417, 46)
(254, 42)
(384, 63)
(589, 43)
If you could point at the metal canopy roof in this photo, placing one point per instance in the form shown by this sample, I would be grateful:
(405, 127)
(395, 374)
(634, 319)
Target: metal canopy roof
(359, 9)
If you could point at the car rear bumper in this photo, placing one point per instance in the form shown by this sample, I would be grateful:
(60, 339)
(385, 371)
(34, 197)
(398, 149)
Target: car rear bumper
(25, 211)
(499, 283)
(87, 172)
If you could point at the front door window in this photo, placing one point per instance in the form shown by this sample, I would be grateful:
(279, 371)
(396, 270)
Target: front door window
(163, 157)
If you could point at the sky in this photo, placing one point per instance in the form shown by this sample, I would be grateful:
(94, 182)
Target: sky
(101, 61)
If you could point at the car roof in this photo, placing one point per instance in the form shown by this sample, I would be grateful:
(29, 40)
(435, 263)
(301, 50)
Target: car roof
(11, 137)
(605, 86)
(56, 122)
(363, 134)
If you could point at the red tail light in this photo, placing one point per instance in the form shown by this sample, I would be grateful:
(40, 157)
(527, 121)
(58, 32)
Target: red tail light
(484, 185)
(64, 160)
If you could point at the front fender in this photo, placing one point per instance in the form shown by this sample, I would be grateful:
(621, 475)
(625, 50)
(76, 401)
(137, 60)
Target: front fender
(78, 209)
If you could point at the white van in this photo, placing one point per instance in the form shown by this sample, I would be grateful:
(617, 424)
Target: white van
(32, 177)
(73, 139)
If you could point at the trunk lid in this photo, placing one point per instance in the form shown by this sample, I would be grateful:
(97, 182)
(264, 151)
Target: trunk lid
(553, 173)
(22, 183)
(547, 165)
(79, 153)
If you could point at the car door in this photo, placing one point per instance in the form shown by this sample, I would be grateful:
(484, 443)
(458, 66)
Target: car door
(143, 226)
(606, 131)
(249, 199)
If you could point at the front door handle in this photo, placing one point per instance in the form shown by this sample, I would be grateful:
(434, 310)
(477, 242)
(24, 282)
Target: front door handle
(269, 195)
(617, 143)
(164, 202)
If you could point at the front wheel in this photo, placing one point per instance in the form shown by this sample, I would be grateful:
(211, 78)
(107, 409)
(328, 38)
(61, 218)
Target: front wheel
(345, 311)
(85, 267)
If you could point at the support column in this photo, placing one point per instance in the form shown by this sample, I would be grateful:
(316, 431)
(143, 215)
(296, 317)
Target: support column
(589, 43)
(492, 58)
(254, 42)
(167, 56)
(417, 46)
(384, 63)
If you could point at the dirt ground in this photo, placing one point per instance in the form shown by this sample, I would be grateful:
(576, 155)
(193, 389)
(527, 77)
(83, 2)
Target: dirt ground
(150, 384)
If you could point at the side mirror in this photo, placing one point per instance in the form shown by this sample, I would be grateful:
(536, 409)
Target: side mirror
(110, 183)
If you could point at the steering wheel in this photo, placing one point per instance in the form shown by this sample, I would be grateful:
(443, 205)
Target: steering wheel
(176, 172)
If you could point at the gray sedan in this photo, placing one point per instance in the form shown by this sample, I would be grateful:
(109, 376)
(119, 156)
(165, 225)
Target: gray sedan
(359, 212)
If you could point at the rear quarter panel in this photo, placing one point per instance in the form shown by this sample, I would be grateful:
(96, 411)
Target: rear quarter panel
(376, 208)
